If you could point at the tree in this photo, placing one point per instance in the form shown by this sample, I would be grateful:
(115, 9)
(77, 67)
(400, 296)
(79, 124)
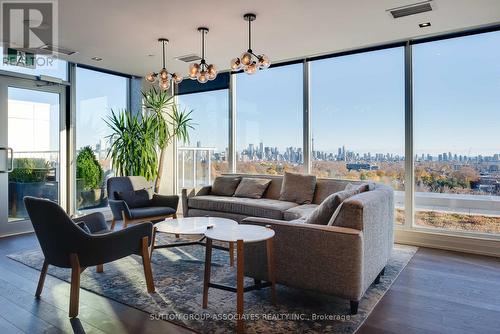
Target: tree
(88, 169)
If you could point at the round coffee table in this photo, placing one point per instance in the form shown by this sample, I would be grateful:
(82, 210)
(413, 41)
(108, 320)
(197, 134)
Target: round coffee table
(240, 234)
(193, 226)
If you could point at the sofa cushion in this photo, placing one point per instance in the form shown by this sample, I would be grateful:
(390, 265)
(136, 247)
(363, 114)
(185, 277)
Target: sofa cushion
(151, 211)
(252, 187)
(267, 208)
(322, 214)
(225, 185)
(134, 198)
(299, 212)
(298, 188)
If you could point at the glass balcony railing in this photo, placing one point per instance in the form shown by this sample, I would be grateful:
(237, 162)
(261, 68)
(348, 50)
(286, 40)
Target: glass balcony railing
(194, 166)
(34, 174)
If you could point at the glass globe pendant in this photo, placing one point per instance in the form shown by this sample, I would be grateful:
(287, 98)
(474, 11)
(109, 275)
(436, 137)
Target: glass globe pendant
(164, 76)
(202, 72)
(249, 61)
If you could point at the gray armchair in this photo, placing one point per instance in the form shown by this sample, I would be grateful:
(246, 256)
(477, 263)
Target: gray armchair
(84, 242)
(155, 210)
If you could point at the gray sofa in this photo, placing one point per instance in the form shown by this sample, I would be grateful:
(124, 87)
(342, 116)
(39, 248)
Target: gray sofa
(342, 260)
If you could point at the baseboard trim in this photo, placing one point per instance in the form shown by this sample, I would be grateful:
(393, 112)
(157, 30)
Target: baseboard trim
(481, 246)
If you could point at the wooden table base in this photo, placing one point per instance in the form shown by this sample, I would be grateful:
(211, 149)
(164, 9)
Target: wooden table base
(240, 289)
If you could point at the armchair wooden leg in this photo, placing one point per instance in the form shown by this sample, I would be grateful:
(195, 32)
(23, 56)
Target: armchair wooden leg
(113, 223)
(41, 280)
(174, 216)
(74, 295)
(152, 243)
(231, 254)
(146, 263)
(125, 221)
(99, 268)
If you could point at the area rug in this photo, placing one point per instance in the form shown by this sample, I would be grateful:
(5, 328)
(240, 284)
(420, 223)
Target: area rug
(178, 276)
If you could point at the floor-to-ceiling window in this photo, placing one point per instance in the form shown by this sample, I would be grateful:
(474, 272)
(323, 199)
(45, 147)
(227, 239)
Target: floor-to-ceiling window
(456, 89)
(269, 121)
(357, 119)
(206, 154)
(97, 94)
(357, 126)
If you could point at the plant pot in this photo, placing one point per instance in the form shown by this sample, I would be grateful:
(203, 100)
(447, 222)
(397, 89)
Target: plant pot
(18, 190)
(91, 198)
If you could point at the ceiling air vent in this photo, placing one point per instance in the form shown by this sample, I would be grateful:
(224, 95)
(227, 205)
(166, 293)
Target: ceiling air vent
(416, 8)
(188, 58)
(56, 49)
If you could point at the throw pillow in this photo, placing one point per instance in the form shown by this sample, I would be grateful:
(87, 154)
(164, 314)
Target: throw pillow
(323, 213)
(298, 188)
(362, 187)
(252, 187)
(331, 222)
(225, 185)
(134, 198)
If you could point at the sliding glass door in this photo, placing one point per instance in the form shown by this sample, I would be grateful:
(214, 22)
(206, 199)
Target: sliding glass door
(32, 148)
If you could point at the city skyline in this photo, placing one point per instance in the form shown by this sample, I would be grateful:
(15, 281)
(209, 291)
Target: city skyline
(261, 152)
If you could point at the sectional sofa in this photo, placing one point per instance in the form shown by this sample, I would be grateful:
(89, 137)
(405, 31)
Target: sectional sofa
(342, 258)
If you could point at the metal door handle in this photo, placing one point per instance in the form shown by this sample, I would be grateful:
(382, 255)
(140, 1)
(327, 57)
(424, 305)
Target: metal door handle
(11, 164)
(11, 159)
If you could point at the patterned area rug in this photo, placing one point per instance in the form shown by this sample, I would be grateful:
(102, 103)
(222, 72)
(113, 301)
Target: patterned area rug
(178, 276)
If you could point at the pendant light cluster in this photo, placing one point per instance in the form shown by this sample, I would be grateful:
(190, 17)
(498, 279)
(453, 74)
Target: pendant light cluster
(202, 71)
(164, 76)
(249, 61)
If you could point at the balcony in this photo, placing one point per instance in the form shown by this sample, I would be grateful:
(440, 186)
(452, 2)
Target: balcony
(194, 166)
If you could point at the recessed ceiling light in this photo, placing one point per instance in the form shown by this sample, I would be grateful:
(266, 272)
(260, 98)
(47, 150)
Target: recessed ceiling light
(424, 25)
(96, 58)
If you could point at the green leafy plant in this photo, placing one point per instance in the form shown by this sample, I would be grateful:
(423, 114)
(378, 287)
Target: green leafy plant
(29, 170)
(171, 123)
(133, 144)
(88, 169)
(139, 141)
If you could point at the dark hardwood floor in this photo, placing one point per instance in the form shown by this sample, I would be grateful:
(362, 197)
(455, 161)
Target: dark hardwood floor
(438, 292)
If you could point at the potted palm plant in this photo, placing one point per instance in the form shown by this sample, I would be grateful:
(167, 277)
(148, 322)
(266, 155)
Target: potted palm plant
(139, 141)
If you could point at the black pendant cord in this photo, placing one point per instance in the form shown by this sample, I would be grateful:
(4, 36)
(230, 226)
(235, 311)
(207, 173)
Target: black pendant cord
(163, 54)
(203, 65)
(250, 36)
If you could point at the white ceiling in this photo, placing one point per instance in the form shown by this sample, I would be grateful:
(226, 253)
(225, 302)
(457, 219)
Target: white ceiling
(124, 32)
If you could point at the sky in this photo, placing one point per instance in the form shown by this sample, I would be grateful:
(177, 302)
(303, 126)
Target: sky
(358, 101)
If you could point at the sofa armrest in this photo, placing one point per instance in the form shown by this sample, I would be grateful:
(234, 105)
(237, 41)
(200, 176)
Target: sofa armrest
(192, 192)
(327, 259)
(171, 201)
(373, 213)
